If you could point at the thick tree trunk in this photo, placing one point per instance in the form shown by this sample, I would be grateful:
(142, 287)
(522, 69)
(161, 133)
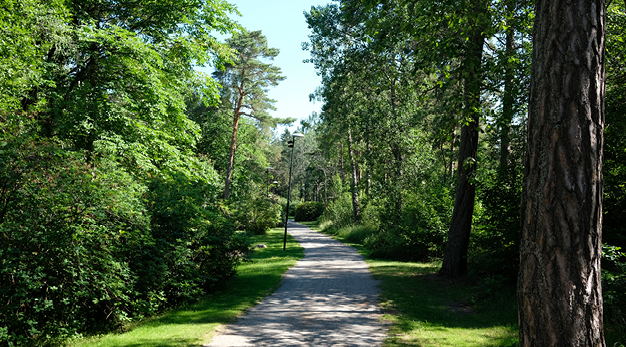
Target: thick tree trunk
(355, 184)
(559, 289)
(455, 257)
(231, 156)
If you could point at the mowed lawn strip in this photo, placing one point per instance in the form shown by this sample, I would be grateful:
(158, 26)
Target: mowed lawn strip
(427, 310)
(194, 325)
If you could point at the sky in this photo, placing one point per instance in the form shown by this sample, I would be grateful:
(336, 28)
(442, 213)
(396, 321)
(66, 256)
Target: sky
(283, 24)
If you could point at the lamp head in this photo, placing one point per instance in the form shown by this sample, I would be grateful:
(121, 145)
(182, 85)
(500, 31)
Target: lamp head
(297, 134)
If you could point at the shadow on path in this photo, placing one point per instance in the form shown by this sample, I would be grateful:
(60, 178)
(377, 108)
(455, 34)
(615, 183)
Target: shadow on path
(329, 298)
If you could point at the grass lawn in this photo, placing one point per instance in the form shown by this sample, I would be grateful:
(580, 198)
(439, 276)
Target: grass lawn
(429, 311)
(194, 325)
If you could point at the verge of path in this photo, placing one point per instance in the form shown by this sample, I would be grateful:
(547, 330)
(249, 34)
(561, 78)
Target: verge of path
(329, 298)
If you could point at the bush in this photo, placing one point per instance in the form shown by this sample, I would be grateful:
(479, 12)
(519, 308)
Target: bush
(258, 214)
(308, 211)
(87, 247)
(339, 211)
(196, 246)
(69, 232)
(356, 233)
(614, 290)
(419, 235)
(494, 242)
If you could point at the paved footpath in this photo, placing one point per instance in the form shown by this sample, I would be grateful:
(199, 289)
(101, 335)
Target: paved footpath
(328, 298)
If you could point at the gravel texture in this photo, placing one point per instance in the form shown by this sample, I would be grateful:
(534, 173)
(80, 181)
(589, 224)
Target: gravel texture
(328, 298)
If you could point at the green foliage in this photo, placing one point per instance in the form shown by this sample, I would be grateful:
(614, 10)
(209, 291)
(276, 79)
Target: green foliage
(308, 211)
(196, 246)
(70, 233)
(356, 233)
(339, 211)
(86, 248)
(494, 248)
(194, 324)
(257, 214)
(614, 290)
(420, 232)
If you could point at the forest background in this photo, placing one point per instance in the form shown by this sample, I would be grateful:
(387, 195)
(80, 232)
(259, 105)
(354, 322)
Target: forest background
(129, 180)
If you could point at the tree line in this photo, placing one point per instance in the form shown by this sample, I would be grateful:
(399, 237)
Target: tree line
(442, 120)
(121, 193)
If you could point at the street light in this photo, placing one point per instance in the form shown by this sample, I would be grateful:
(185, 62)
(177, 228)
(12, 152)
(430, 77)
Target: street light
(267, 175)
(291, 145)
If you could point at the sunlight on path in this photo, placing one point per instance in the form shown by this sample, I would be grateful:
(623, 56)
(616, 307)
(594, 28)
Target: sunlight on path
(328, 298)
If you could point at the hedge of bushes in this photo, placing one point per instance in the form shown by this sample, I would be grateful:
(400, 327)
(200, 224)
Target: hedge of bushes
(85, 248)
(308, 211)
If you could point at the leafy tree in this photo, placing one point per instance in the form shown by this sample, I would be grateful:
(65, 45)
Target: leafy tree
(559, 291)
(245, 84)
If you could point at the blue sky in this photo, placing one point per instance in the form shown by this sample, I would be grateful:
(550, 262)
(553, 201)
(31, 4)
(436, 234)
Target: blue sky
(283, 23)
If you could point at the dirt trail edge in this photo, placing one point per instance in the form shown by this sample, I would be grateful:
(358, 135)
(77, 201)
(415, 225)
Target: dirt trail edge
(329, 298)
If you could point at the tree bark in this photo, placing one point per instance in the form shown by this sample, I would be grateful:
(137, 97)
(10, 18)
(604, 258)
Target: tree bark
(455, 257)
(559, 288)
(355, 193)
(231, 156)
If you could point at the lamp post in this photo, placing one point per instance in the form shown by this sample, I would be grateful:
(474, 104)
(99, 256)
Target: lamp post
(273, 185)
(291, 145)
(267, 175)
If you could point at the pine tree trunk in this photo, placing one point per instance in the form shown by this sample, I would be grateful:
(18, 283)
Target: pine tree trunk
(355, 193)
(455, 257)
(559, 288)
(231, 156)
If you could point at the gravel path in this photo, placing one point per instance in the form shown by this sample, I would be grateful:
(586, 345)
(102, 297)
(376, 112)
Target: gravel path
(328, 298)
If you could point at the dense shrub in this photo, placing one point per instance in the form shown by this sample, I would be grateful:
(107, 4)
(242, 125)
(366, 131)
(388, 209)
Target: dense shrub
(195, 245)
(68, 233)
(494, 249)
(614, 290)
(339, 211)
(87, 247)
(308, 211)
(419, 234)
(257, 214)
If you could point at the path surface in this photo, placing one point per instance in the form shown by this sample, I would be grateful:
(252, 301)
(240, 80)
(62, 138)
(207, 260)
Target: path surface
(328, 298)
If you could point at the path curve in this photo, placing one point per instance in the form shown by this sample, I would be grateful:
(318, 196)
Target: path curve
(329, 298)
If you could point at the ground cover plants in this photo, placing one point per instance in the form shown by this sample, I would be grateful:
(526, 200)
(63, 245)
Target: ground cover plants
(194, 325)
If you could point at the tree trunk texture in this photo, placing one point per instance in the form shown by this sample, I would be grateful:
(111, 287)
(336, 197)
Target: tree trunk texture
(455, 257)
(355, 183)
(231, 156)
(559, 288)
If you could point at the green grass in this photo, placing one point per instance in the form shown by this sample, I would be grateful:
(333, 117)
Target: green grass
(426, 310)
(194, 325)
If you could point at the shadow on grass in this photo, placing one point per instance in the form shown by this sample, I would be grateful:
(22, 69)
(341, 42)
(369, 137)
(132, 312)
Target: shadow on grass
(428, 310)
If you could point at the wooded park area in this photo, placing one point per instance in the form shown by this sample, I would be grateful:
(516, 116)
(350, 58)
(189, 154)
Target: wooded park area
(487, 134)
